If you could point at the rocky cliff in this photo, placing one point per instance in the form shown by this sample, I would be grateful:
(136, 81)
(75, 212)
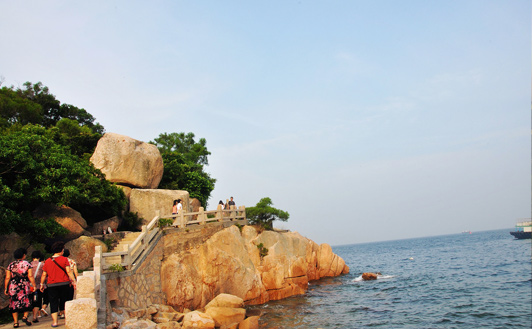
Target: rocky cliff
(230, 262)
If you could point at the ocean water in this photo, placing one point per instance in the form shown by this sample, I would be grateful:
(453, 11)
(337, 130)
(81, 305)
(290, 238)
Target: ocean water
(478, 280)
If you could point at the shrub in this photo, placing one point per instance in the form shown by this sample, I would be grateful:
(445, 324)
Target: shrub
(263, 251)
(163, 222)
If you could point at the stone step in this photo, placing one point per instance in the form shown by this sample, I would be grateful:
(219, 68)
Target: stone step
(121, 246)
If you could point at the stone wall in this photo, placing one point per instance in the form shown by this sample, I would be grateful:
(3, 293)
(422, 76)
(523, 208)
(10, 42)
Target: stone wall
(138, 288)
(187, 267)
(142, 287)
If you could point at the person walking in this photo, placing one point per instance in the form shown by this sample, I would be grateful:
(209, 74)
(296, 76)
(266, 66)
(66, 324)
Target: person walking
(74, 270)
(40, 299)
(19, 275)
(57, 270)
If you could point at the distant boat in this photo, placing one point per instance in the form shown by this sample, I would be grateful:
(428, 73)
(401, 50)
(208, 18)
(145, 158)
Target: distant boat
(523, 230)
(468, 232)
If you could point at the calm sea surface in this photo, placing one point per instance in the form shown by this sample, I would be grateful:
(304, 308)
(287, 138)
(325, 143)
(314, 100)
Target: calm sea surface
(478, 280)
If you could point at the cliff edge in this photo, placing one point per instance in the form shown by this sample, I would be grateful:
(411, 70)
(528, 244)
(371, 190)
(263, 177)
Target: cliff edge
(255, 267)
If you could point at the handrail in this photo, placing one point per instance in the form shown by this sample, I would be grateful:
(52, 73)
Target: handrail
(202, 217)
(129, 257)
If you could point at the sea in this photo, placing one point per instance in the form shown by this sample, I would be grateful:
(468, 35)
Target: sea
(464, 280)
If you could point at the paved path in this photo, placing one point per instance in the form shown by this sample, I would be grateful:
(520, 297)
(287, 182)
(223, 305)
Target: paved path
(44, 322)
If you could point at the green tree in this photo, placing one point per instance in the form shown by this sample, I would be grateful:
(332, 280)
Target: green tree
(34, 169)
(35, 104)
(264, 214)
(184, 162)
(184, 144)
(17, 109)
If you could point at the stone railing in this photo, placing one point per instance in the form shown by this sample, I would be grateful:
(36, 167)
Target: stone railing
(132, 252)
(202, 217)
(135, 254)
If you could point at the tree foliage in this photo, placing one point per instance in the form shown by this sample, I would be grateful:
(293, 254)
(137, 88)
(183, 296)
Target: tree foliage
(34, 169)
(185, 145)
(34, 104)
(68, 125)
(264, 214)
(184, 162)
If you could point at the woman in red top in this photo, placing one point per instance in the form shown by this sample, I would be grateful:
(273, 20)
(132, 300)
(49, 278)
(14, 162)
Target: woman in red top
(60, 277)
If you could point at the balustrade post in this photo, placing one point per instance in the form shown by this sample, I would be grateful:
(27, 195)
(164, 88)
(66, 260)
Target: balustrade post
(219, 213)
(144, 236)
(244, 214)
(181, 216)
(98, 263)
(126, 258)
(233, 213)
(201, 216)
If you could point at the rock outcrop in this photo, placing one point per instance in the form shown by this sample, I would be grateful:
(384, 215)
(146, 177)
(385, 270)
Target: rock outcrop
(145, 202)
(226, 311)
(82, 250)
(67, 217)
(8, 244)
(230, 262)
(127, 161)
(113, 223)
(369, 276)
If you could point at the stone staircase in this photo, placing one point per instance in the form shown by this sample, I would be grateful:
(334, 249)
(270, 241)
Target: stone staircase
(127, 240)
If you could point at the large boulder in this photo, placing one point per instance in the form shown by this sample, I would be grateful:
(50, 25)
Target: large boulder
(195, 204)
(197, 320)
(8, 244)
(138, 324)
(230, 262)
(127, 161)
(224, 316)
(226, 300)
(82, 250)
(113, 223)
(147, 202)
(67, 217)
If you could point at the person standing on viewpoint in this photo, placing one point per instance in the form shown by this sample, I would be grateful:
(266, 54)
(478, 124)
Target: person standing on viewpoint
(231, 203)
(177, 207)
(19, 275)
(60, 277)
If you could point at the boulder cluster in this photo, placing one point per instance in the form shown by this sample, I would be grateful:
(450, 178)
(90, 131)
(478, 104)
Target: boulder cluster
(137, 168)
(225, 311)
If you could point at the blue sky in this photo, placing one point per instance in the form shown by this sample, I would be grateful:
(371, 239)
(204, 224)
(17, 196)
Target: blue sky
(365, 120)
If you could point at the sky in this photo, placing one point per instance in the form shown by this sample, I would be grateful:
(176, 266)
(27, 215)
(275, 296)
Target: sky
(365, 120)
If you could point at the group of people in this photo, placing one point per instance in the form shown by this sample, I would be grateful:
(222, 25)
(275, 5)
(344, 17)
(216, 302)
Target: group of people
(177, 206)
(228, 204)
(32, 286)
